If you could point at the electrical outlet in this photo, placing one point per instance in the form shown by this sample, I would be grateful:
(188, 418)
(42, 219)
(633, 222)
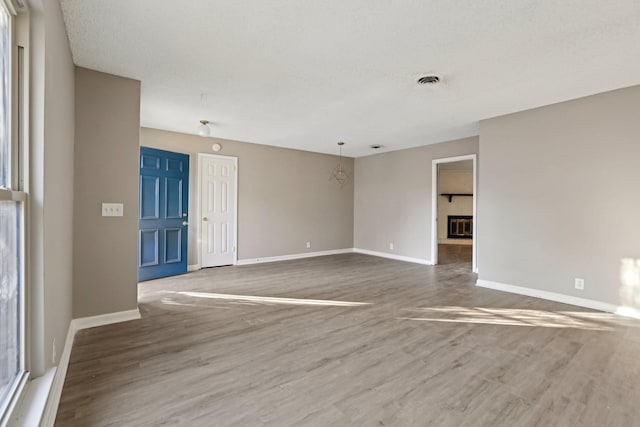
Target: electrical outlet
(53, 352)
(112, 209)
(308, 245)
(391, 246)
(579, 284)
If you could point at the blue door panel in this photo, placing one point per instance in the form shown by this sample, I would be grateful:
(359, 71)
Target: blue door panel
(149, 162)
(164, 199)
(148, 247)
(149, 197)
(173, 195)
(172, 244)
(175, 165)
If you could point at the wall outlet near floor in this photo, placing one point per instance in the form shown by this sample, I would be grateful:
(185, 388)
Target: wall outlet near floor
(579, 284)
(308, 245)
(390, 246)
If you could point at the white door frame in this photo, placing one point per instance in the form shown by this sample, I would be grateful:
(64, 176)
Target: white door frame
(199, 203)
(434, 207)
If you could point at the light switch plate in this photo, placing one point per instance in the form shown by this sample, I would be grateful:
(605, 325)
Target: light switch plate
(112, 209)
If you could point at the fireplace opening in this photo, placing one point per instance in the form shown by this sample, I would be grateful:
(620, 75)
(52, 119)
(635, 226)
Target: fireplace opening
(460, 226)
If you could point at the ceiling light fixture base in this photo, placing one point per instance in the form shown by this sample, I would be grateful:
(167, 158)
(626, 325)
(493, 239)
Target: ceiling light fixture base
(203, 129)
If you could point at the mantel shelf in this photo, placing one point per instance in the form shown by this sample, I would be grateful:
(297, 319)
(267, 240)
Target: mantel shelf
(451, 195)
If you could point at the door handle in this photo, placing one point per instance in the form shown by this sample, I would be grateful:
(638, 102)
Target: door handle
(185, 223)
(204, 218)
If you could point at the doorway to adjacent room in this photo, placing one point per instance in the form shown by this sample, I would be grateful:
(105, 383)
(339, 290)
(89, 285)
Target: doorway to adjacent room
(454, 210)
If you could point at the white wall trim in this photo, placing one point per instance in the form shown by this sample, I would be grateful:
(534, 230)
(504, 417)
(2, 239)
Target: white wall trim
(31, 408)
(393, 256)
(193, 267)
(15, 404)
(53, 400)
(565, 299)
(51, 407)
(106, 319)
(249, 261)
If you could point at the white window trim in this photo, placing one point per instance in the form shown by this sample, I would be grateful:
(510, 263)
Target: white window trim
(16, 193)
(13, 195)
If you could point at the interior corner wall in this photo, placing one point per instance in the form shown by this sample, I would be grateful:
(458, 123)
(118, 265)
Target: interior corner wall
(392, 198)
(285, 196)
(51, 170)
(559, 198)
(58, 181)
(107, 132)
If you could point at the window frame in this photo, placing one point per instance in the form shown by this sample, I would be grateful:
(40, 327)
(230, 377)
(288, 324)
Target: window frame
(16, 192)
(17, 389)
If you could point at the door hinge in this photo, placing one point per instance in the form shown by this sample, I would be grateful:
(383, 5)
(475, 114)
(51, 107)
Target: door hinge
(234, 249)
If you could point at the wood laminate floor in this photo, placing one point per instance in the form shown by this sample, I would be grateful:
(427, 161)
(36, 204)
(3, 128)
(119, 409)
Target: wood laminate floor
(352, 340)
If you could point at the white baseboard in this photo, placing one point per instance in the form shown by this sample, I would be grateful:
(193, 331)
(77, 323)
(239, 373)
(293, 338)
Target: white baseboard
(393, 256)
(248, 261)
(51, 408)
(193, 267)
(565, 299)
(106, 319)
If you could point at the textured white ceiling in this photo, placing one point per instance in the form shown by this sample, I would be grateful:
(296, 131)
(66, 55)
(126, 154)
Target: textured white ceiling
(306, 73)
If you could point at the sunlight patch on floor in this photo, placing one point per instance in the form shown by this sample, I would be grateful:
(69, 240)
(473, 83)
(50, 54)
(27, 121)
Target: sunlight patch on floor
(514, 317)
(596, 321)
(169, 301)
(271, 300)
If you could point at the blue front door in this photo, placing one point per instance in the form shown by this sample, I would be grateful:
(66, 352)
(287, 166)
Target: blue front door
(163, 216)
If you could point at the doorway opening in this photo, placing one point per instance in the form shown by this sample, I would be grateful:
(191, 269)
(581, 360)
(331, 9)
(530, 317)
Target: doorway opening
(454, 221)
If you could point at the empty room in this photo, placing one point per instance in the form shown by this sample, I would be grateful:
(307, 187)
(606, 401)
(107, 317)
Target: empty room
(337, 213)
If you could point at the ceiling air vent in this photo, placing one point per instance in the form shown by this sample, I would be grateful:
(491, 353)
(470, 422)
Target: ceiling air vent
(429, 80)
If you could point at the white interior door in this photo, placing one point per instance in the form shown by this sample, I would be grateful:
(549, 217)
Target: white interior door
(218, 186)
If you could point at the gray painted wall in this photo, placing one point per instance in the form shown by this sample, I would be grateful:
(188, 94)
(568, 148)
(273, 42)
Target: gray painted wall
(107, 117)
(58, 180)
(285, 197)
(559, 197)
(392, 198)
(51, 170)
